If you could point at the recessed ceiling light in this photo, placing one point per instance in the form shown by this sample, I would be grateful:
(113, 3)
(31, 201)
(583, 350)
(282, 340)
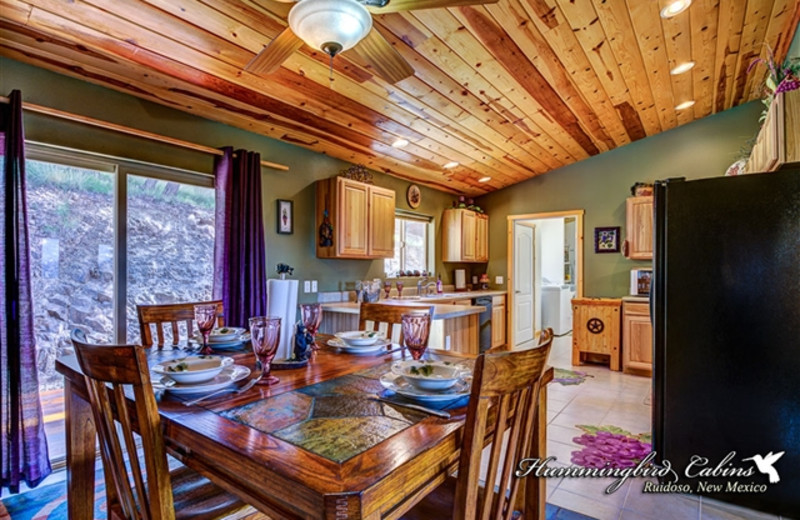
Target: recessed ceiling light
(675, 8)
(484, 179)
(685, 104)
(400, 143)
(451, 164)
(686, 66)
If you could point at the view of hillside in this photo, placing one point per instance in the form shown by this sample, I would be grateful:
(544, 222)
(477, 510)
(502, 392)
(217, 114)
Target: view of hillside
(170, 232)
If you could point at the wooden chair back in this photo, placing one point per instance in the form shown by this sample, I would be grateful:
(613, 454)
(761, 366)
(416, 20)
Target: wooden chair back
(171, 315)
(120, 366)
(505, 393)
(373, 315)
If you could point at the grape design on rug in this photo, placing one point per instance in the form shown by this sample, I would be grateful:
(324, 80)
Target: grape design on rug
(610, 446)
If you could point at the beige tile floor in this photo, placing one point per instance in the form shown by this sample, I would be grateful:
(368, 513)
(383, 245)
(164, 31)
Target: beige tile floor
(614, 398)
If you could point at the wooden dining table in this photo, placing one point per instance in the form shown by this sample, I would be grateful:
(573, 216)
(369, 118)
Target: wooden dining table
(316, 445)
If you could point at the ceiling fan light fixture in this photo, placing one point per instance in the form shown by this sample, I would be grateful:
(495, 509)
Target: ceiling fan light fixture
(450, 165)
(332, 26)
(674, 8)
(484, 179)
(685, 105)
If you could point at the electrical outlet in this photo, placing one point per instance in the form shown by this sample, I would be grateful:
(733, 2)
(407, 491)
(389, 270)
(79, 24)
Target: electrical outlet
(313, 286)
(498, 280)
(307, 286)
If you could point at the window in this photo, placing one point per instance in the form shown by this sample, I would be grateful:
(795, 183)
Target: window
(413, 247)
(106, 235)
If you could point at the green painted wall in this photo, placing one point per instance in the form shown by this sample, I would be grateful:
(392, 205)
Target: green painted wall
(599, 185)
(49, 89)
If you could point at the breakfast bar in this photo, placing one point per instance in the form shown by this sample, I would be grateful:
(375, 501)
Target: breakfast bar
(454, 327)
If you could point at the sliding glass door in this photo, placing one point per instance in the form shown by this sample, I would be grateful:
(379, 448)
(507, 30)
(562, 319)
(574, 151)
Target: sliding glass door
(107, 235)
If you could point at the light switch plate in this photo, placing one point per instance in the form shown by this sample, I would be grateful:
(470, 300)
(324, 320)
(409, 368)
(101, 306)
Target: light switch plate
(307, 286)
(498, 280)
(313, 286)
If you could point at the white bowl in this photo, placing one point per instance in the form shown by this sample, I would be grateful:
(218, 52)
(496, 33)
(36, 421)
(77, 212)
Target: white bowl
(360, 338)
(224, 334)
(430, 375)
(193, 369)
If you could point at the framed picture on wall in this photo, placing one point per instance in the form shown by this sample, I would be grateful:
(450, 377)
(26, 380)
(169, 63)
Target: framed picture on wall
(606, 240)
(285, 217)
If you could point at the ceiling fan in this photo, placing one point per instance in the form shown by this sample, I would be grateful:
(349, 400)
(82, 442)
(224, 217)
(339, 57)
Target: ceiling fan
(335, 26)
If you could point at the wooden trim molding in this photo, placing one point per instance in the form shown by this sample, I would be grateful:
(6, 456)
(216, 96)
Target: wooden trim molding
(39, 109)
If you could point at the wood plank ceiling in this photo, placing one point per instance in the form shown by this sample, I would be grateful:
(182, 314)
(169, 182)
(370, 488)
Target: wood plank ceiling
(508, 90)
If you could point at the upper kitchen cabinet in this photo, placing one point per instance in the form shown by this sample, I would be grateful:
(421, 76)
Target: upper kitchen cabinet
(465, 236)
(354, 220)
(777, 144)
(639, 228)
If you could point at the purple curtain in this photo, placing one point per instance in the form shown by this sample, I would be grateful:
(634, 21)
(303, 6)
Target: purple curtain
(23, 454)
(240, 277)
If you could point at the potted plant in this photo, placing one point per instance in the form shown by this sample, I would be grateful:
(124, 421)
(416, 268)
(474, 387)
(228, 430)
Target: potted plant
(779, 79)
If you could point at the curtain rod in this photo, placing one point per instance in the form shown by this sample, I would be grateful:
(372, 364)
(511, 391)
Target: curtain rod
(128, 130)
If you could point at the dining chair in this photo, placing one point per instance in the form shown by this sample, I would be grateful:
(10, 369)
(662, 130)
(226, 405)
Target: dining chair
(165, 494)
(390, 315)
(502, 408)
(171, 315)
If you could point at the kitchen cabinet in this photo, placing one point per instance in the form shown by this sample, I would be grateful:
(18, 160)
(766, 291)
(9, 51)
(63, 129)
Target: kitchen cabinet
(465, 236)
(354, 219)
(777, 144)
(498, 321)
(596, 330)
(637, 338)
(639, 228)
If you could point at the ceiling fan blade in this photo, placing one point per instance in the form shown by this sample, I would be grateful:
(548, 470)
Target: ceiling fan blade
(407, 5)
(277, 7)
(270, 58)
(382, 57)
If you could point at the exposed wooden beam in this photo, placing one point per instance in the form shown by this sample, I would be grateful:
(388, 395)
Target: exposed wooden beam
(61, 114)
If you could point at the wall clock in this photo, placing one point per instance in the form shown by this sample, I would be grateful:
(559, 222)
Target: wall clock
(413, 196)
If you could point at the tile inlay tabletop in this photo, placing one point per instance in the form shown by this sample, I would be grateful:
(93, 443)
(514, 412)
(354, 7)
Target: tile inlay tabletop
(336, 419)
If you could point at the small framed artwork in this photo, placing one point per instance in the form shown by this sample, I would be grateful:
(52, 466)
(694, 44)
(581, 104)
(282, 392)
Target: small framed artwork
(413, 196)
(606, 240)
(285, 217)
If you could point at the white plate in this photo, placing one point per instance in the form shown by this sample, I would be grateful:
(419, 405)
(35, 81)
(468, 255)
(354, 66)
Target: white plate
(230, 334)
(228, 376)
(223, 345)
(400, 386)
(344, 347)
(193, 369)
(442, 374)
(360, 338)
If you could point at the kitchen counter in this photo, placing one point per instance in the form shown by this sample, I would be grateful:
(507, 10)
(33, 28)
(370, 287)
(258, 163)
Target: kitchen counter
(450, 296)
(454, 327)
(440, 311)
(636, 299)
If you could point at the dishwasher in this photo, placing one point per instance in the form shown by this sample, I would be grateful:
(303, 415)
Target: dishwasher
(484, 322)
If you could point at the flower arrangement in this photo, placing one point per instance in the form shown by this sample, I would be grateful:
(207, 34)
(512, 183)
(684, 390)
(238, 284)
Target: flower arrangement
(779, 79)
(284, 270)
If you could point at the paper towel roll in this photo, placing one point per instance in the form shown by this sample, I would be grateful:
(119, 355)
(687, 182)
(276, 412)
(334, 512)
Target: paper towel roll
(461, 279)
(282, 302)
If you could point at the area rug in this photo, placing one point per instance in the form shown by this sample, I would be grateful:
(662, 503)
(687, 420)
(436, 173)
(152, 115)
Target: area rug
(50, 503)
(569, 377)
(610, 446)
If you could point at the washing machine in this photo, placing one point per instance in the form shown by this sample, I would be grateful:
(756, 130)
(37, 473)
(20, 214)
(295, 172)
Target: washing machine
(557, 308)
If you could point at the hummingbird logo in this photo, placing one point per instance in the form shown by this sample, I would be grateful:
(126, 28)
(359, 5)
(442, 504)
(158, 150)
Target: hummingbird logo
(764, 465)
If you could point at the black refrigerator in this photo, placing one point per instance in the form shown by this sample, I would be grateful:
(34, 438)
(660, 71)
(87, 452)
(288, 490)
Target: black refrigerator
(726, 327)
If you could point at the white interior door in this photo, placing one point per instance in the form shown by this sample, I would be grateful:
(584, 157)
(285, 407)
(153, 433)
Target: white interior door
(523, 284)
